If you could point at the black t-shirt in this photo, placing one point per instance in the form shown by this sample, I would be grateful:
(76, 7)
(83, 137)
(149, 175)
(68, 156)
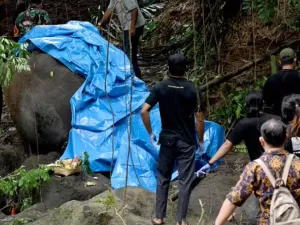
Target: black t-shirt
(178, 103)
(292, 145)
(281, 84)
(248, 130)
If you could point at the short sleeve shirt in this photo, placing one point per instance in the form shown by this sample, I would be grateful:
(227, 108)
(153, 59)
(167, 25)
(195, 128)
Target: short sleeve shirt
(281, 84)
(123, 9)
(248, 130)
(254, 179)
(178, 101)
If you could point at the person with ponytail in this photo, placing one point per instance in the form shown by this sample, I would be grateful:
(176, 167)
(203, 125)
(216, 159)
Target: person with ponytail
(246, 129)
(291, 116)
(283, 83)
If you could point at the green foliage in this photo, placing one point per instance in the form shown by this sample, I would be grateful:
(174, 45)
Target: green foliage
(233, 107)
(10, 62)
(21, 221)
(86, 164)
(109, 201)
(265, 8)
(19, 186)
(150, 27)
(95, 15)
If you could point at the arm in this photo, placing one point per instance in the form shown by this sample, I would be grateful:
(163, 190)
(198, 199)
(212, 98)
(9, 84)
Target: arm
(239, 194)
(268, 93)
(234, 138)
(149, 103)
(223, 150)
(46, 19)
(200, 108)
(225, 212)
(134, 15)
(146, 117)
(200, 125)
(105, 17)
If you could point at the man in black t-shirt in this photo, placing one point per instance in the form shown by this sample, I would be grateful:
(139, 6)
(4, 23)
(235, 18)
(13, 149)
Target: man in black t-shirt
(247, 130)
(283, 83)
(179, 102)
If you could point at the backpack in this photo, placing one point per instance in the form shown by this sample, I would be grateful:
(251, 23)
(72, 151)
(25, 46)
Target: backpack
(284, 208)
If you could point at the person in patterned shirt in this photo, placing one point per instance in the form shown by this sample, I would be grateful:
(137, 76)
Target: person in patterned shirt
(34, 15)
(254, 179)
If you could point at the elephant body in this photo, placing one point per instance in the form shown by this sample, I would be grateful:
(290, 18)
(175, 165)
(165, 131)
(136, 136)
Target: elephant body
(39, 102)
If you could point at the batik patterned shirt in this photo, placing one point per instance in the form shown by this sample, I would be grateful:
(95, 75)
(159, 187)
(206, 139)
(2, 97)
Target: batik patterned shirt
(254, 179)
(31, 17)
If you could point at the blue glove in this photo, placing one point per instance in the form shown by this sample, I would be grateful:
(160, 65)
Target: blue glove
(204, 170)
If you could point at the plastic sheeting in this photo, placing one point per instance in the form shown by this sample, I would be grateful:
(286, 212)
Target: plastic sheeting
(79, 46)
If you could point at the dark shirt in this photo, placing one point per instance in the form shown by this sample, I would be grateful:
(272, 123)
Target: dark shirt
(177, 100)
(248, 130)
(281, 84)
(292, 145)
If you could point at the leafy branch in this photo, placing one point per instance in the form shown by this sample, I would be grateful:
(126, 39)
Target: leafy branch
(19, 186)
(13, 58)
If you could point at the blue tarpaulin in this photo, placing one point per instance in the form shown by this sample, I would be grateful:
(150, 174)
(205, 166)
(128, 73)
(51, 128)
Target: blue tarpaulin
(80, 47)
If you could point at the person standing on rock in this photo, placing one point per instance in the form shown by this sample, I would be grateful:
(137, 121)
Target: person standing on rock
(247, 130)
(261, 177)
(283, 83)
(132, 22)
(178, 101)
(34, 15)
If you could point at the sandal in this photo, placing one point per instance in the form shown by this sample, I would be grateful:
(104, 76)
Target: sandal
(154, 223)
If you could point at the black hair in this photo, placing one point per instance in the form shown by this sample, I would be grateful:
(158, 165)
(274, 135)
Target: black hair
(287, 60)
(274, 132)
(36, 1)
(288, 107)
(254, 103)
(177, 65)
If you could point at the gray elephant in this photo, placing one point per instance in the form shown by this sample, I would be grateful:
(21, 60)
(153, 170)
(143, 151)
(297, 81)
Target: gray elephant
(39, 102)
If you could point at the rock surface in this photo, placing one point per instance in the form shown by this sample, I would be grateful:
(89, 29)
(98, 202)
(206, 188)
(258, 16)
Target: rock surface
(64, 189)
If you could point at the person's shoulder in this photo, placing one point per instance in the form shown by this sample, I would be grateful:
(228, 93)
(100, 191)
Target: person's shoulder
(274, 77)
(252, 167)
(265, 117)
(243, 121)
(20, 16)
(39, 11)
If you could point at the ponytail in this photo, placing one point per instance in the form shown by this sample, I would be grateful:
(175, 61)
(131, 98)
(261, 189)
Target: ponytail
(295, 125)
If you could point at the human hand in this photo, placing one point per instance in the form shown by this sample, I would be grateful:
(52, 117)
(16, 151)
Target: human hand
(100, 28)
(204, 170)
(132, 31)
(153, 139)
